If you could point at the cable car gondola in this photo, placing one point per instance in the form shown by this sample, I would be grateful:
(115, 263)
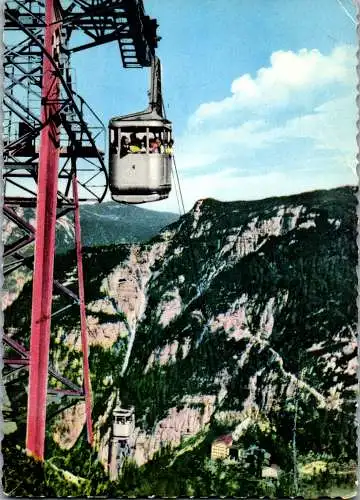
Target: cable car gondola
(140, 150)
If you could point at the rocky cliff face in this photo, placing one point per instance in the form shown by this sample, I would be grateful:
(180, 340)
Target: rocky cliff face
(238, 309)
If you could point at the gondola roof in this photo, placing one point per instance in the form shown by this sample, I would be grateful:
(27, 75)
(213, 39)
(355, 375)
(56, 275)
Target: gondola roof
(149, 117)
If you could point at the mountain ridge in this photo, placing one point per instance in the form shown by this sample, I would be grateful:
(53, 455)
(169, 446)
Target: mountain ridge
(118, 223)
(237, 312)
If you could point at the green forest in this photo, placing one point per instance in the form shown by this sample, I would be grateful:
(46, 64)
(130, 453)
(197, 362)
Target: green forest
(299, 269)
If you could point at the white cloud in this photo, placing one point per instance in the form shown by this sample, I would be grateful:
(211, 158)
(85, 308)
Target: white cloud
(290, 73)
(228, 186)
(237, 132)
(330, 126)
(289, 129)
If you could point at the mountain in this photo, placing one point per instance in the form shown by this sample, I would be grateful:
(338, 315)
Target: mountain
(113, 223)
(238, 319)
(102, 224)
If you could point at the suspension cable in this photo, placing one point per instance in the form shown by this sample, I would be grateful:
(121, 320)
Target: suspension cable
(178, 195)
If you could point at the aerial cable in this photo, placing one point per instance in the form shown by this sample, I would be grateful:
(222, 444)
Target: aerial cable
(177, 194)
(176, 176)
(346, 11)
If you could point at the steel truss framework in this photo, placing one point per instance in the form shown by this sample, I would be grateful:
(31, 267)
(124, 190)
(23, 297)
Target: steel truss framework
(52, 163)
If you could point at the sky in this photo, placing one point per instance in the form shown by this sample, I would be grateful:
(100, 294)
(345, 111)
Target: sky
(261, 94)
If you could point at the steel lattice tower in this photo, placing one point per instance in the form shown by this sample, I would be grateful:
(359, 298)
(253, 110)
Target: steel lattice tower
(52, 163)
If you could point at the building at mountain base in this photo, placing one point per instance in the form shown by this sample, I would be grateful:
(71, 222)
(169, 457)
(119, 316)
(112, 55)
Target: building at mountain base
(220, 448)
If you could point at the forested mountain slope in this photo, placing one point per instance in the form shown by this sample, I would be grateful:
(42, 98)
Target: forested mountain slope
(239, 318)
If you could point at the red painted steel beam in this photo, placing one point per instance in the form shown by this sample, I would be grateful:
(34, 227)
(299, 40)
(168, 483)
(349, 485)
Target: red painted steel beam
(17, 245)
(13, 216)
(66, 392)
(44, 246)
(17, 361)
(16, 346)
(84, 339)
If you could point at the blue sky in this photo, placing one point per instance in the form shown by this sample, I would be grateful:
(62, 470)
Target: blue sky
(261, 94)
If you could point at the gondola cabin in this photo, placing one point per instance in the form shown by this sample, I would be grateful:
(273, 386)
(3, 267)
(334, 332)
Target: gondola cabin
(140, 150)
(140, 158)
(123, 423)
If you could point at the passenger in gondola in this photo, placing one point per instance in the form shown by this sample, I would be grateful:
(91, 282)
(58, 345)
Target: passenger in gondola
(169, 148)
(143, 144)
(153, 146)
(135, 144)
(160, 145)
(125, 146)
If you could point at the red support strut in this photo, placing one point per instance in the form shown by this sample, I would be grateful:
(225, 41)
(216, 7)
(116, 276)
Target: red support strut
(84, 339)
(44, 248)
